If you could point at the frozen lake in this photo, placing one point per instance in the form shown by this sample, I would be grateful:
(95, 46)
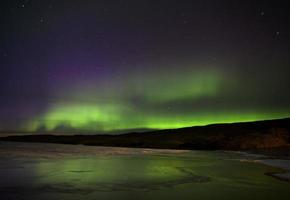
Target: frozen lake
(55, 171)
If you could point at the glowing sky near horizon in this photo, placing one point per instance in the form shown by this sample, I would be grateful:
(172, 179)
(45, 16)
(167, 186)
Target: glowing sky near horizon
(146, 103)
(111, 66)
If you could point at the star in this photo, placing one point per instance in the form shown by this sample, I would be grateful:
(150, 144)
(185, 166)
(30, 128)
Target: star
(262, 13)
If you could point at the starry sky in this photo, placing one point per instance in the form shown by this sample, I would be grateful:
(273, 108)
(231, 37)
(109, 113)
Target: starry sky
(118, 65)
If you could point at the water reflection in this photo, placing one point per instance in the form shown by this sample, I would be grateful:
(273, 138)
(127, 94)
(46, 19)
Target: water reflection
(119, 173)
(46, 171)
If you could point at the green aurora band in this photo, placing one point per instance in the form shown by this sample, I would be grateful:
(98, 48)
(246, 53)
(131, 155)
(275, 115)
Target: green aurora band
(114, 108)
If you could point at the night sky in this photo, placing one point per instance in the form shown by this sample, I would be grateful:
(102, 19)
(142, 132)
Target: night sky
(115, 65)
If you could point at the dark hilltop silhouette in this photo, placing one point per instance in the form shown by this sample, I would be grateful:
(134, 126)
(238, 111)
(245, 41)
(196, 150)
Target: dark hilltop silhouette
(236, 136)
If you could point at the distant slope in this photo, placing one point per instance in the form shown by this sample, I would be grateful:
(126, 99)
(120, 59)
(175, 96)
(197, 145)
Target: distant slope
(235, 136)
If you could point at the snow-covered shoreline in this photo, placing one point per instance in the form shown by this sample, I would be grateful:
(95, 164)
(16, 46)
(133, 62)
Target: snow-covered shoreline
(270, 161)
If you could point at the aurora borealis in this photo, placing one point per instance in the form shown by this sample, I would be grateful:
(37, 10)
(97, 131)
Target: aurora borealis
(111, 66)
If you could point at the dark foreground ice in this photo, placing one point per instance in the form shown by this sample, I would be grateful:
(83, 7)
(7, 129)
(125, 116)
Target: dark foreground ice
(54, 171)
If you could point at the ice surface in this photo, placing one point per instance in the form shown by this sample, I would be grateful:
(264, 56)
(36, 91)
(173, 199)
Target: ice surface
(54, 171)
